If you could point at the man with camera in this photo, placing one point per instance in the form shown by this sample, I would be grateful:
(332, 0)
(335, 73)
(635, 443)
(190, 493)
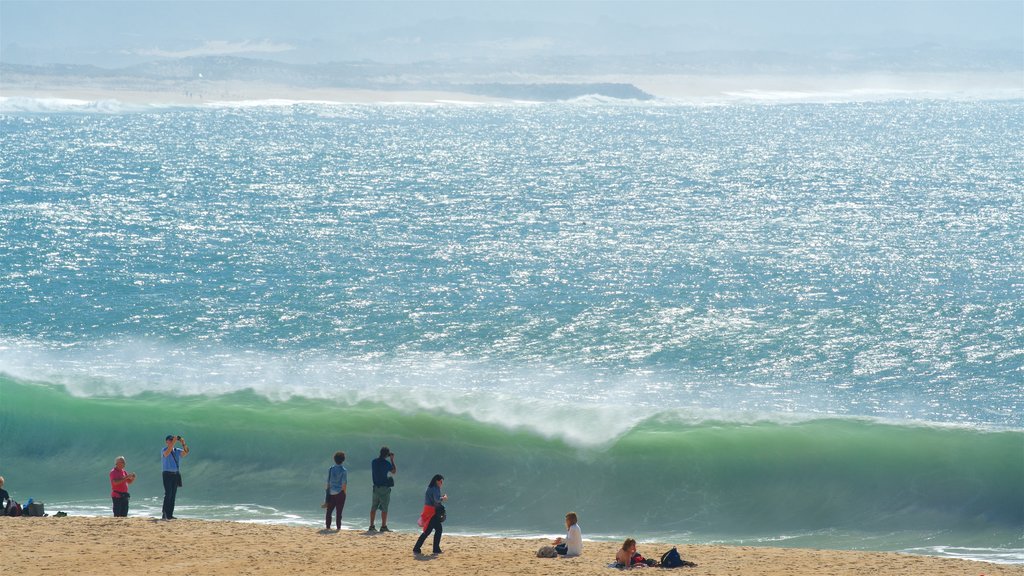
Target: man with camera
(172, 472)
(119, 481)
(382, 483)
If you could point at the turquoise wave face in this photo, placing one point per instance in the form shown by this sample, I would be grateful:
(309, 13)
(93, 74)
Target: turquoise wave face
(663, 477)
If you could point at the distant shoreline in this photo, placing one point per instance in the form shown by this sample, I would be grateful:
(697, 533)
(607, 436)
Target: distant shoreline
(235, 93)
(694, 88)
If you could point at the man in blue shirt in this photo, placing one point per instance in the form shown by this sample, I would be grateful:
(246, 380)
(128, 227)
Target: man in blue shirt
(171, 457)
(382, 484)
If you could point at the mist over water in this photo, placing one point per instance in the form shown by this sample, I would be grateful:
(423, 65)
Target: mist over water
(720, 308)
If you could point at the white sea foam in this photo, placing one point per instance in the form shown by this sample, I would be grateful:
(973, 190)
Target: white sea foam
(266, 103)
(32, 105)
(993, 555)
(574, 406)
(533, 400)
(27, 105)
(867, 95)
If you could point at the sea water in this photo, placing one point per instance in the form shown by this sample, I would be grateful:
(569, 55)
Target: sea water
(796, 324)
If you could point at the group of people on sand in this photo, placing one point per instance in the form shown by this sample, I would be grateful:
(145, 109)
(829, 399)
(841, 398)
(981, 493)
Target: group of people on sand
(431, 518)
(383, 469)
(170, 458)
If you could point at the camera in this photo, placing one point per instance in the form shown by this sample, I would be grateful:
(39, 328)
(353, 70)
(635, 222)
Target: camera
(178, 438)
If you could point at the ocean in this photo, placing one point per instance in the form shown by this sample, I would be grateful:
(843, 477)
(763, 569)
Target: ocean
(760, 323)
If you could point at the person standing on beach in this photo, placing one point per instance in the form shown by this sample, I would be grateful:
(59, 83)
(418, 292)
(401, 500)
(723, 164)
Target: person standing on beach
(382, 483)
(433, 514)
(337, 485)
(119, 481)
(171, 457)
(572, 544)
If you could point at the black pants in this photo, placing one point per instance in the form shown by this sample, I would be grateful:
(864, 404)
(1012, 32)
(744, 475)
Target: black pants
(170, 493)
(435, 526)
(335, 502)
(120, 506)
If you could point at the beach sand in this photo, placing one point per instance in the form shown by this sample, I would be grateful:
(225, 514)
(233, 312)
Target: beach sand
(82, 545)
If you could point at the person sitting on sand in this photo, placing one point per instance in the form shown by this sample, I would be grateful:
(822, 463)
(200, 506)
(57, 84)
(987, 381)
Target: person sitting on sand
(572, 544)
(5, 498)
(628, 557)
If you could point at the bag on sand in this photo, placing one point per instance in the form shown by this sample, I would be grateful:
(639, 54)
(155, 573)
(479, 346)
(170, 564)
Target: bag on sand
(13, 509)
(546, 552)
(35, 509)
(671, 559)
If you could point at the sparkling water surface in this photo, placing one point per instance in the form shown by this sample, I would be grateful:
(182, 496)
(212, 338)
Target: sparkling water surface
(860, 259)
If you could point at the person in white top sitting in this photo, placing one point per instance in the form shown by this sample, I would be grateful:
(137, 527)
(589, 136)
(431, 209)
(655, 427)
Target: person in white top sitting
(572, 544)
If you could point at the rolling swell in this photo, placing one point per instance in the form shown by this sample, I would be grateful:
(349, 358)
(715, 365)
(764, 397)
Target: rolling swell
(664, 476)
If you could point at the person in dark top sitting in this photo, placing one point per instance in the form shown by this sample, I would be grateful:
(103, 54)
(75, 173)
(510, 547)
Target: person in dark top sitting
(5, 498)
(382, 483)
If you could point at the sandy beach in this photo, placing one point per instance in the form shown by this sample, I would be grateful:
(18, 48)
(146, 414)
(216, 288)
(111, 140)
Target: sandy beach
(82, 545)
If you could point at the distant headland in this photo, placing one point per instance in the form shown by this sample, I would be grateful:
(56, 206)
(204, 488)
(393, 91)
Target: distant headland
(220, 78)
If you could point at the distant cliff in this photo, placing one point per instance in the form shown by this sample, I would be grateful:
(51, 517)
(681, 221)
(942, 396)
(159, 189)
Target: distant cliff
(198, 74)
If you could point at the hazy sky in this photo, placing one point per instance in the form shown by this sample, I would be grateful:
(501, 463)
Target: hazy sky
(112, 34)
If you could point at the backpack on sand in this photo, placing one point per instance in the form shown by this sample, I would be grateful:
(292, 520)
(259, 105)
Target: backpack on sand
(672, 559)
(13, 509)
